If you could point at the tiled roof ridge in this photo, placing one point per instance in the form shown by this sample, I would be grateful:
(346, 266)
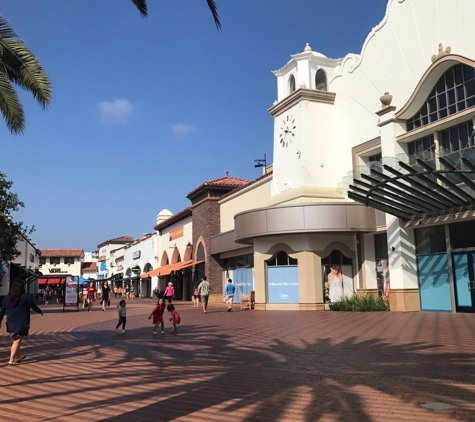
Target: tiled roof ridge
(225, 181)
(245, 186)
(59, 252)
(121, 239)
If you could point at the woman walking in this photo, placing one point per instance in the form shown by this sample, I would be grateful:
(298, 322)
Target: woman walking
(106, 290)
(91, 295)
(17, 306)
(169, 292)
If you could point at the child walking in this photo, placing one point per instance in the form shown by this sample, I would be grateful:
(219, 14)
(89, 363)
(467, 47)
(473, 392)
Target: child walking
(175, 317)
(157, 314)
(122, 315)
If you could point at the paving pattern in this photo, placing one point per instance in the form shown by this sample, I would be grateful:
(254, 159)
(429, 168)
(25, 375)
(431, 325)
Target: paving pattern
(242, 366)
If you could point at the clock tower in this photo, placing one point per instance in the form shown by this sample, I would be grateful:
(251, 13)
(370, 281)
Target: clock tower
(303, 118)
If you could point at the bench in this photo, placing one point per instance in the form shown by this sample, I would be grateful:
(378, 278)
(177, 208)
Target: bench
(247, 301)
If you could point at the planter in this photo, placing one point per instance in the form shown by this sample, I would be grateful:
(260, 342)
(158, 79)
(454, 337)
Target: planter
(326, 306)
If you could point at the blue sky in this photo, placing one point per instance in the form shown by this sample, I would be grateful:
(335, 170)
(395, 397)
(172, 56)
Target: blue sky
(145, 110)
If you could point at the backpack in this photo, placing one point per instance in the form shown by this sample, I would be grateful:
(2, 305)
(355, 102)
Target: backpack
(196, 292)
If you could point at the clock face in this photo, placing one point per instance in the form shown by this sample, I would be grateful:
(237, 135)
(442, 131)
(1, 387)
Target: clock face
(287, 131)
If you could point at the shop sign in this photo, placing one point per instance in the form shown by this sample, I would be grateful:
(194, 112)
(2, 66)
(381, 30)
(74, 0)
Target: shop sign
(175, 234)
(136, 255)
(57, 271)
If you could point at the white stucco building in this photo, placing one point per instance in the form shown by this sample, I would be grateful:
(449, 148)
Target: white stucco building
(390, 128)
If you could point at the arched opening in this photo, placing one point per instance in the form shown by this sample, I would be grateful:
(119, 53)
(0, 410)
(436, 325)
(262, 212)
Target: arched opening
(321, 80)
(291, 84)
(337, 277)
(199, 271)
(164, 260)
(147, 282)
(282, 279)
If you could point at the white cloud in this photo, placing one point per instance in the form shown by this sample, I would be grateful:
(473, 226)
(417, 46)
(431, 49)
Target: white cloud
(117, 111)
(182, 129)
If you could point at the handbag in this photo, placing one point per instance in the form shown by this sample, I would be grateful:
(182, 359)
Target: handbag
(109, 303)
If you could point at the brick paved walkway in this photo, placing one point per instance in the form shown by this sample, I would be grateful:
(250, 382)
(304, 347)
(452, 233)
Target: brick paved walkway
(242, 366)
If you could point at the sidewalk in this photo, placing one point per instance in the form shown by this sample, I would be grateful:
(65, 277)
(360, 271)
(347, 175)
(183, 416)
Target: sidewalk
(241, 366)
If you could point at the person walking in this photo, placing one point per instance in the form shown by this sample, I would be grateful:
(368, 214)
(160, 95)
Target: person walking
(127, 292)
(229, 297)
(157, 314)
(17, 305)
(105, 298)
(132, 291)
(204, 289)
(196, 296)
(119, 291)
(46, 294)
(169, 292)
(115, 291)
(121, 308)
(175, 317)
(91, 295)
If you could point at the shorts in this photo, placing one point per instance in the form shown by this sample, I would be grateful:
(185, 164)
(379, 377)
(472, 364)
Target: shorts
(205, 299)
(230, 299)
(90, 298)
(196, 296)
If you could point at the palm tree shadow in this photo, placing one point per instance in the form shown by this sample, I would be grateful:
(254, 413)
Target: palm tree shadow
(322, 377)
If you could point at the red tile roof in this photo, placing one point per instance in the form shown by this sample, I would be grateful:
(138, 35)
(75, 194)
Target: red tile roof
(226, 182)
(118, 240)
(89, 266)
(58, 253)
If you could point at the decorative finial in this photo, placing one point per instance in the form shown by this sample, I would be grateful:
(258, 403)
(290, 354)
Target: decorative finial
(227, 173)
(307, 48)
(386, 99)
(441, 53)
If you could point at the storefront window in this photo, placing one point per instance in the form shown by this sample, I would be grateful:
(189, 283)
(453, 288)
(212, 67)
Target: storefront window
(337, 277)
(461, 235)
(430, 240)
(282, 279)
(382, 264)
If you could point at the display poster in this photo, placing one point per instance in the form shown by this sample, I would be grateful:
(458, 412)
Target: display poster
(382, 274)
(338, 281)
(283, 284)
(243, 280)
(71, 293)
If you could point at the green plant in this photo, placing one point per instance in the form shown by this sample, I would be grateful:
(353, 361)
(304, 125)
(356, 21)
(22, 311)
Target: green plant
(360, 303)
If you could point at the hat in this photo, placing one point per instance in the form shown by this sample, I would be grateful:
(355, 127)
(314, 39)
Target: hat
(170, 283)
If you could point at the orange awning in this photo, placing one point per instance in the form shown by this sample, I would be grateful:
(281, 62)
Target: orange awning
(167, 269)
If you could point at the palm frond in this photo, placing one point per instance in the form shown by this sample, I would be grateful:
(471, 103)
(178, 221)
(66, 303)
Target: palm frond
(142, 6)
(24, 69)
(10, 106)
(214, 10)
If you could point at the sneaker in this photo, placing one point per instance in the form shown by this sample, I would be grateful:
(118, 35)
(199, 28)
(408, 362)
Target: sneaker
(154, 333)
(14, 363)
(229, 310)
(163, 332)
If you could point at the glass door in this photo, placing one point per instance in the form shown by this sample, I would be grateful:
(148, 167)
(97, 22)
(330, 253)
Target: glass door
(464, 280)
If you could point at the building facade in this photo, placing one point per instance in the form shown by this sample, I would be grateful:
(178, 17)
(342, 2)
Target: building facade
(390, 129)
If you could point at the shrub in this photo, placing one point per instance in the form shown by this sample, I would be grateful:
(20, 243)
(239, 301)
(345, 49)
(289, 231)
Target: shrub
(360, 303)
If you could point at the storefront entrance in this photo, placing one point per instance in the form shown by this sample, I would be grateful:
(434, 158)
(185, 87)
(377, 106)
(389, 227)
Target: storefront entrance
(464, 281)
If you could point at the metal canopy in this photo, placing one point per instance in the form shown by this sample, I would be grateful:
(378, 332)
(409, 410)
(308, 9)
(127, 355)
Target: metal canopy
(417, 189)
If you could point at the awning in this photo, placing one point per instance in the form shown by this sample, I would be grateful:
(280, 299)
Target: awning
(167, 269)
(416, 187)
(50, 280)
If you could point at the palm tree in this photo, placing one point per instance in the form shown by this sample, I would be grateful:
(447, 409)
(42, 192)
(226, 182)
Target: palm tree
(19, 66)
(142, 6)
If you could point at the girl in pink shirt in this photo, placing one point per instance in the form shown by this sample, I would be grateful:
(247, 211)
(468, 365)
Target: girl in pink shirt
(175, 317)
